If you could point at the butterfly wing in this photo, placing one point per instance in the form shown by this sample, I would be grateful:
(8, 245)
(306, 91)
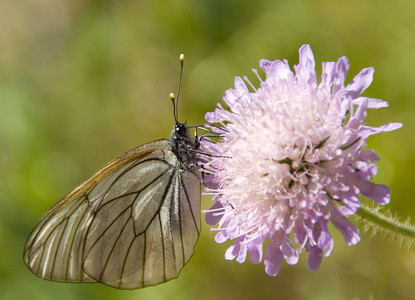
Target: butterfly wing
(132, 224)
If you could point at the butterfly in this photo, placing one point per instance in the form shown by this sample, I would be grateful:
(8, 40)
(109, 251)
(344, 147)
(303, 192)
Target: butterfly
(132, 224)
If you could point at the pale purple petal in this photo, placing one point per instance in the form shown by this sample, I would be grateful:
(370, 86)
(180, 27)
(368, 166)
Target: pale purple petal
(369, 156)
(265, 65)
(327, 75)
(273, 259)
(221, 237)
(366, 171)
(240, 85)
(342, 67)
(232, 252)
(214, 214)
(379, 193)
(242, 253)
(281, 71)
(371, 102)
(231, 98)
(306, 69)
(360, 83)
(219, 115)
(315, 257)
(348, 229)
(237, 250)
(325, 240)
(256, 251)
(367, 131)
(289, 252)
(352, 204)
(211, 117)
(359, 116)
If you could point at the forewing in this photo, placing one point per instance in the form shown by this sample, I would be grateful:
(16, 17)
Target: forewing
(54, 249)
(145, 236)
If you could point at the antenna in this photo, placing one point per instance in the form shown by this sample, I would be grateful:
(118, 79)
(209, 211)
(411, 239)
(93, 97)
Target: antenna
(172, 98)
(175, 100)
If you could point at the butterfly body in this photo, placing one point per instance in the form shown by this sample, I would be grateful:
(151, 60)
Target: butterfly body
(132, 224)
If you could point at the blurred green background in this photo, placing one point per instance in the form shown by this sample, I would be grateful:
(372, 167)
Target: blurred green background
(83, 81)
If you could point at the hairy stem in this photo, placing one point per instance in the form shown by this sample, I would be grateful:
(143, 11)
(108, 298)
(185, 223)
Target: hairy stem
(373, 219)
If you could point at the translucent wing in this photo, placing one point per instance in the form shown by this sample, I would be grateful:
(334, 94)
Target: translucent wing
(132, 224)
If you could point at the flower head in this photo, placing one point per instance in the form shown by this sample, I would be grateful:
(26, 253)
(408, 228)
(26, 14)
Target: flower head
(290, 160)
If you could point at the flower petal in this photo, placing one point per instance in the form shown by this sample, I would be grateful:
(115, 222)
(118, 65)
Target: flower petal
(379, 193)
(273, 259)
(265, 65)
(232, 251)
(368, 156)
(371, 102)
(325, 239)
(327, 75)
(314, 258)
(289, 252)
(221, 237)
(256, 251)
(348, 229)
(360, 83)
(213, 215)
(367, 131)
(280, 71)
(341, 69)
(306, 69)
(242, 253)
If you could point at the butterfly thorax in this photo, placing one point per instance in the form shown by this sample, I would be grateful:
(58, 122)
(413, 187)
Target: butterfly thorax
(183, 146)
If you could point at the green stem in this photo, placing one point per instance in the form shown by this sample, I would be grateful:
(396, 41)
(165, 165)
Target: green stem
(387, 224)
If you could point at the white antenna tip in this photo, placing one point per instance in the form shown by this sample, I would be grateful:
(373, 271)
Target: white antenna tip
(182, 57)
(171, 96)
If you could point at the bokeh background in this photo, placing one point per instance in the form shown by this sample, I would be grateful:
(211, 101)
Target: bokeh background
(83, 81)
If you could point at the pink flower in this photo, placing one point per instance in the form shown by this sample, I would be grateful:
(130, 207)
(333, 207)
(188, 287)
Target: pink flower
(291, 159)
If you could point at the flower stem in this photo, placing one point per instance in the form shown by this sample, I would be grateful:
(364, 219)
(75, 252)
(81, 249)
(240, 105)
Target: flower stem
(374, 220)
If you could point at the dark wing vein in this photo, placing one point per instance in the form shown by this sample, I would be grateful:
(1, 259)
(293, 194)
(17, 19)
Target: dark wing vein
(125, 258)
(81, 249)
(115, 243)
(161, 228)
(144, 260)
(189, 202)
(179, 213)
(122, 212)
(41, 226)
(53, 234)
(102, 268)
(132, 167)
(162, 247)
(134, 192)
(57, 247)
(116, 219)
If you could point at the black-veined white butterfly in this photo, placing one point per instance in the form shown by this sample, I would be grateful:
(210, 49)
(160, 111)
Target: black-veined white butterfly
(134, 223)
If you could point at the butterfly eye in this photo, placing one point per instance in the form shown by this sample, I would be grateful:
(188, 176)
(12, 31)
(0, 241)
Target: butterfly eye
(181, 129)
